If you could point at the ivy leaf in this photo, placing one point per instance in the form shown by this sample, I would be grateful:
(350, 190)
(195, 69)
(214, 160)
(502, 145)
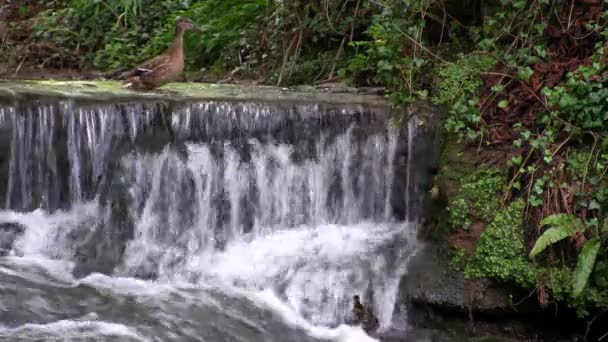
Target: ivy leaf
(584, 267)
(525, 74)
(499, 88)
(517, 160)
(564, 225)
(517, 142)
(519, 4)
(517, 185)
(535, 201)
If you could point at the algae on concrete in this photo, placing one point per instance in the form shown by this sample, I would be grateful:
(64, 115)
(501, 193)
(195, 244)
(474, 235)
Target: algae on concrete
(105, 90)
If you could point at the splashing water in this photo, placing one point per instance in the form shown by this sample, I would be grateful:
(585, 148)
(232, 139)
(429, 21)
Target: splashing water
(292, 211)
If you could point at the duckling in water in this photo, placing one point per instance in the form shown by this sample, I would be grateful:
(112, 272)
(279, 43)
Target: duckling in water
(164, 68)
(364, 315)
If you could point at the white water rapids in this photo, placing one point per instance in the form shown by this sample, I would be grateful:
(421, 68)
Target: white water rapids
(222, 230)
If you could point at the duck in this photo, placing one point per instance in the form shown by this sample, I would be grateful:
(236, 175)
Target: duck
(364, 316)
(164, 68)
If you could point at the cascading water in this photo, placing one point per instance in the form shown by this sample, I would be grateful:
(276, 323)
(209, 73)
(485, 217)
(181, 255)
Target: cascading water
(203, 211)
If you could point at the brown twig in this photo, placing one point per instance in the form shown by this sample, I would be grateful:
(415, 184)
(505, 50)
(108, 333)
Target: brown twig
(285, 60)
(517, 175)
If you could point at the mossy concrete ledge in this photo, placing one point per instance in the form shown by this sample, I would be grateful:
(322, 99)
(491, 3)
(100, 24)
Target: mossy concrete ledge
(104, 91)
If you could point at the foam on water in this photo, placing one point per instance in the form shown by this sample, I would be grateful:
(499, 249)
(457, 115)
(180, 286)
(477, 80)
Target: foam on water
(342, 333)
(66, 329)
(316, 269)
(265, 299)
(292, 207)
(52, 236)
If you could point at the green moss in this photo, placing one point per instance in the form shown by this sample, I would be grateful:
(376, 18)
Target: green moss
(500, 252)
(478, 198)
(459, 259)
(459, 213)
(102, 90)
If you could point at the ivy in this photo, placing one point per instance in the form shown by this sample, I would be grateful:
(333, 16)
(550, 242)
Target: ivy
(461, 79)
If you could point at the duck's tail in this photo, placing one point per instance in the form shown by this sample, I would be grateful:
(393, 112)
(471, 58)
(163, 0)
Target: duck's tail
(136, 83)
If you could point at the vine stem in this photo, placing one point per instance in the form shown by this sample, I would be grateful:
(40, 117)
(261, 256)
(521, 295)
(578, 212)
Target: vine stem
(588, 162)
(420, 45)
(504, 199)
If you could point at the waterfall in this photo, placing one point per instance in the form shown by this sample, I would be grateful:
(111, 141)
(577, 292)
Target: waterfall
(311, 201)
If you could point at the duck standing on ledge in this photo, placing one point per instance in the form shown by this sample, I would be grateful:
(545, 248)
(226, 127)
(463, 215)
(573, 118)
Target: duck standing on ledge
(164, 68)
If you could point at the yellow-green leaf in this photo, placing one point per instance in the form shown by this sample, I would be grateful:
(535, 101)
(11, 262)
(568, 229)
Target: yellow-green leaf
(584, 267)
(563, 226)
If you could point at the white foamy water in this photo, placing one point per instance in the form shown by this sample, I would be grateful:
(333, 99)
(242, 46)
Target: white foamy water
(317, 231)
(260, 210)
(264, 299)
(68, 329)
(316, 269)
(52, 235)
(342, 333)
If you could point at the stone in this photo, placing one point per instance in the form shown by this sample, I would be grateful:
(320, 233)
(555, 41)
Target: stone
(432, 281)
(112, 91)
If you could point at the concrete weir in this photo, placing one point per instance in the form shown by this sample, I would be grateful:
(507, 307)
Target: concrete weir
(193, 183)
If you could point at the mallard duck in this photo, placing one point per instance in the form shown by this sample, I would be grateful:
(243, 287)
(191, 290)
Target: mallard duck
(164, 68)
(364, 316)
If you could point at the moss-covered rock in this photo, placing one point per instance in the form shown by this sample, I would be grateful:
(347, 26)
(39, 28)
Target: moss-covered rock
(500, 253)
(432, 281)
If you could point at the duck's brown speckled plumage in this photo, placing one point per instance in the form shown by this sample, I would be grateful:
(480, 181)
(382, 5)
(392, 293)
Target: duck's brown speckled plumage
(164, 68)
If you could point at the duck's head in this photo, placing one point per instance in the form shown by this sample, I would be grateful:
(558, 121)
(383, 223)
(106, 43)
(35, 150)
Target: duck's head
(185, 24)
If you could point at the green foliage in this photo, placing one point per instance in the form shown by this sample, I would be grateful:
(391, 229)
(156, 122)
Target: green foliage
(560, 282)
(230, 29)
(561, 286)
(600, 274)
(585, 265)
(110, 33)
(459, 213)
(458, 87)
(564, 226)
(459, 259)
(478, 198)
(578, 287)
(462, 78)
(500, 252)
(385, 59)
(581, 101)
(119, 33)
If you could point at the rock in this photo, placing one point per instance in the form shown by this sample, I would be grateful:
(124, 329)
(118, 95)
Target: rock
(426, 125)
(432, 281)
